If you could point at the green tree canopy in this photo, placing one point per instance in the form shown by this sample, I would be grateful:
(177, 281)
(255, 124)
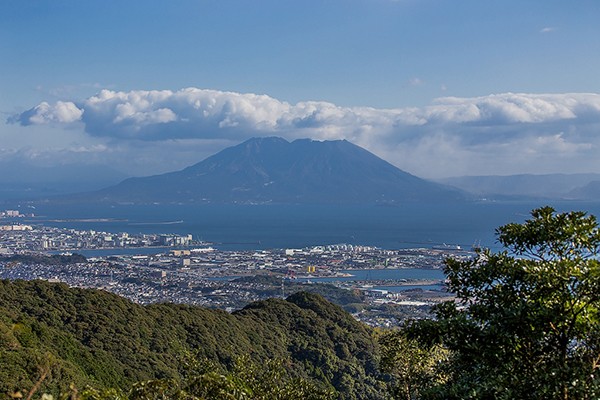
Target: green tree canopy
(525, 323)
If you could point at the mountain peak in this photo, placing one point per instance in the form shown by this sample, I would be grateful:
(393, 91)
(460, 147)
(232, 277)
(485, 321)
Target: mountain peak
(273, 170)
(268, 140)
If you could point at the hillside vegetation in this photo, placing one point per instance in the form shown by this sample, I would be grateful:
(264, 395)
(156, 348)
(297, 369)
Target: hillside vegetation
(55, 335)
(524, 325)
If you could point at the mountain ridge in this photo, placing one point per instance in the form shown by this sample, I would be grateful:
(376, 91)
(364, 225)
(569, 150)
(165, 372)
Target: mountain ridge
(528, 186)
(273, 170)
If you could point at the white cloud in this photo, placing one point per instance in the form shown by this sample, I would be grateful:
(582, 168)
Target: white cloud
(44, 113)
(451, 136)
(209, 113)
(547, 29)
(558, 145)
(510, 108)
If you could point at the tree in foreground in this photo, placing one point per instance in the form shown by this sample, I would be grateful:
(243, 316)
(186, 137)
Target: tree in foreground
(525, 324)
(206, 380)
(412, 366)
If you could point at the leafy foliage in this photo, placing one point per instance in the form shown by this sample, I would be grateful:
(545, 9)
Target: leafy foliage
(96, 339)
(526, 324)
(414, 367)
(207, 380)
(348, 299)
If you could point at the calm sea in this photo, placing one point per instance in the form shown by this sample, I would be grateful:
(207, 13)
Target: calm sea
(245, 227)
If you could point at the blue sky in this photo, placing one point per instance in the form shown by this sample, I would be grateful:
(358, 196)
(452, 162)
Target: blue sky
(438, 88)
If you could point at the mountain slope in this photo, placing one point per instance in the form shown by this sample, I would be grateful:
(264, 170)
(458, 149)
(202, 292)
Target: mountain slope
(550, 186)
(272, 170)
(93, 337)
(590, 191)
(22, 181)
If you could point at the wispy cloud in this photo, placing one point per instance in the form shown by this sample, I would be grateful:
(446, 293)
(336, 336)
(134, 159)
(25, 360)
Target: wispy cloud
(547, 29)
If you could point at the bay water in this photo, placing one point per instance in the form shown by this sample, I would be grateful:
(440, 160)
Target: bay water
(256, 227)
(253, 227)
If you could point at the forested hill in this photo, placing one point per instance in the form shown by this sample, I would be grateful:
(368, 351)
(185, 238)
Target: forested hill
(90, 337)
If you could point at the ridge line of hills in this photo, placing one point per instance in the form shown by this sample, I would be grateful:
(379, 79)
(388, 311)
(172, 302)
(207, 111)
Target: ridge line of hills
(529, 186)
(92, 337)
(272, 170)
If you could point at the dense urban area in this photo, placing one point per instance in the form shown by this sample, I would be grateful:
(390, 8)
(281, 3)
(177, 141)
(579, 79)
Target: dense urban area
(182, 270)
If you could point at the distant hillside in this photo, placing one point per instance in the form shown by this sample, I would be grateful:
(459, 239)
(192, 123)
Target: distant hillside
(272, 170)
(90, 337)
(551, 186)
(590, 191)
(21, 181)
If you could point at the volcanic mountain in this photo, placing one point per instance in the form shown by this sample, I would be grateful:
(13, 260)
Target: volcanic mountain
(273, 170)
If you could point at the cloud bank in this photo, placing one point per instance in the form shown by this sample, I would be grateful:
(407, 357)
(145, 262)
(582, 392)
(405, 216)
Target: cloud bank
(506, 133)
